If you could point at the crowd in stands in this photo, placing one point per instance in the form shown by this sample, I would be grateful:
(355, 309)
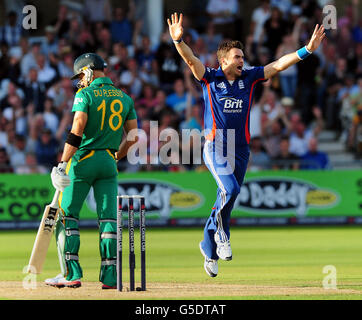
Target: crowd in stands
(323, 91)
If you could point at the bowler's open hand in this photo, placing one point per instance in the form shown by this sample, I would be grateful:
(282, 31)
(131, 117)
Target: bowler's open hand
(316, 39)
(175, 26)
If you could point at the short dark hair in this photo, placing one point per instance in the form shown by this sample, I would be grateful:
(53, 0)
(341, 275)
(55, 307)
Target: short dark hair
(226, 46)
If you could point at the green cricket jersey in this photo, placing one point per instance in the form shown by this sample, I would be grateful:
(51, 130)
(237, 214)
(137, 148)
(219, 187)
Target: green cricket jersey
(108, 108)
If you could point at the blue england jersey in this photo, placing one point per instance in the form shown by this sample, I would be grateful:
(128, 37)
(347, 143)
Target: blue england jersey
(228, 106)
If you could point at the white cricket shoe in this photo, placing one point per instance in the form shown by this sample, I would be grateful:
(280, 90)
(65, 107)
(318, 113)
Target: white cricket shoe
(54, 282)
(223, 249)
(210, 265)
(59, 281)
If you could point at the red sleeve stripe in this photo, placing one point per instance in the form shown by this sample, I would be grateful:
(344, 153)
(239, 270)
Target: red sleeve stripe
(247, 132)
(211, 135)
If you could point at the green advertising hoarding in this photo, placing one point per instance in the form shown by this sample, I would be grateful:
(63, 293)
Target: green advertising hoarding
(266, 197)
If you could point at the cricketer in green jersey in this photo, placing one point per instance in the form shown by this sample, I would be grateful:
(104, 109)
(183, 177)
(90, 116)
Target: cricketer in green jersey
(101, 114)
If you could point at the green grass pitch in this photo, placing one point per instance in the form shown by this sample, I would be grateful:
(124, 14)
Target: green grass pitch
(288, 257)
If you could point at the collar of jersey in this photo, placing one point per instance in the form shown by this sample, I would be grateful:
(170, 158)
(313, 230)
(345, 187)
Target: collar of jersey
(101, 80)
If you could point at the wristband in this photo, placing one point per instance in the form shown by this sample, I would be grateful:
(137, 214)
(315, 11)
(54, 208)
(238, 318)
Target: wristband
(73, 140)
(177, 41)
(302, 53)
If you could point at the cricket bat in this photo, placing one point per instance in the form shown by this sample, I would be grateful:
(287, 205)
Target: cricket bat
(43, 236)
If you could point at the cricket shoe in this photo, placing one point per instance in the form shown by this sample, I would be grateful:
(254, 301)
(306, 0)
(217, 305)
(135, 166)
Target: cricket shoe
(105, 287)
(223, 249)
(56, 281)
(60, 282)
(210, 265)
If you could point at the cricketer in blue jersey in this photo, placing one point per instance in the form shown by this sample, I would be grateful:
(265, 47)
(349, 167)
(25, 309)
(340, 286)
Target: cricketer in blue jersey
(228, 94)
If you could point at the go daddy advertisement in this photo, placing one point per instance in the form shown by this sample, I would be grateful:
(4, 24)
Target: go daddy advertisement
(268, 197)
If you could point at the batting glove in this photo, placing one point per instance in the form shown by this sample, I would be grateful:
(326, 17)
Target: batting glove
(60, 179)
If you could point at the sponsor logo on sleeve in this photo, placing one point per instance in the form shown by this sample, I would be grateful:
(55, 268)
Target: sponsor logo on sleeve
(78, 100)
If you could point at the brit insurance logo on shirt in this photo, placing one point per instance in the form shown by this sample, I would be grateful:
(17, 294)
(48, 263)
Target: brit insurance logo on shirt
(232, 105)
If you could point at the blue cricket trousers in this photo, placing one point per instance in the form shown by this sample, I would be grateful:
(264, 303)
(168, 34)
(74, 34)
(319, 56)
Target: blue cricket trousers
(229, 174)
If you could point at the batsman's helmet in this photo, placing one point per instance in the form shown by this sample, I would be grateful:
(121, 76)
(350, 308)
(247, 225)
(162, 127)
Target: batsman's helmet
(88, 60)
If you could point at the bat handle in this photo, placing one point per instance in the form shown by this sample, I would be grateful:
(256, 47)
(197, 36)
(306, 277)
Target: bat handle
(55, 199)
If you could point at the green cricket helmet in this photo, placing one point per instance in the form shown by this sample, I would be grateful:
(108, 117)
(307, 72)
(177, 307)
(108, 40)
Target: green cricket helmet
(90, 61)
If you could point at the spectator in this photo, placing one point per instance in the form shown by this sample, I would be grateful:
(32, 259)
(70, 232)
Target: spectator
(288, 78)
(51, 44)
(355, 133)
(16, 152)
(314, 159)
(273, 31)
(46, 149)
(29, 60)
(355, 62)
(61, 24)
(188, 29)
(300, 136)
(46, 74)
(346, 98)
(5, 166)
(104, 42)
(335, 82)
(119, 57)
(9, 89)
(73, 33)
(201, 51)
(62, 93)
(31, 166)
(15, 112)
(168, 62)
(177, 100)
(272, 138)
(196, 11)
(34, 90)
(130, 78)
(285, 160)
(85, 41)
(4, 60)
(147, 98)
(144, 55)
(11, 31)
(223, 14)
(211, 38)
(259, 16)
(193, 118)
(259, 159)
(150, 76)
(98, 10)
(3, 133)
(121, 27)
(160, 107)
(51, 121)
(65, 65)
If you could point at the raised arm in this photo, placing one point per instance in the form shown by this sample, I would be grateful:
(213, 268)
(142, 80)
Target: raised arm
(176, 32)
(292, 58)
